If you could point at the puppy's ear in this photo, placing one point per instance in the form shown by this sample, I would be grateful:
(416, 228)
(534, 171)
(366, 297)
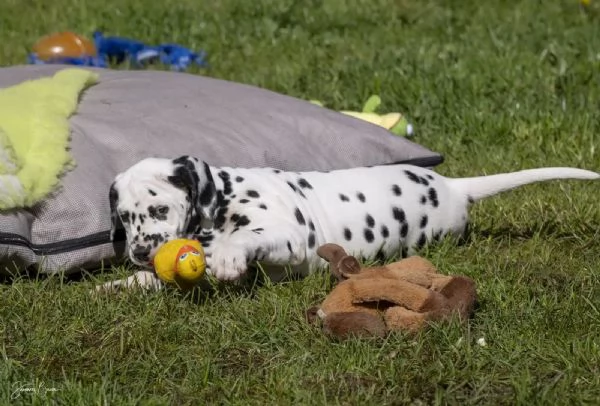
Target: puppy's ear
(113, 198)
(194, 176)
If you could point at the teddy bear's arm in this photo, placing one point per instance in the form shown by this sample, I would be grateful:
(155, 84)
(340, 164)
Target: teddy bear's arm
(398, 292)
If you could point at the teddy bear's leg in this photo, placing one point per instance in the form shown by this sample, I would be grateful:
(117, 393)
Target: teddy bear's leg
(399, 318)
(415, 270)
(401, 293)
(359, 324)
(416, 263)
(461, 295)
(439, 281)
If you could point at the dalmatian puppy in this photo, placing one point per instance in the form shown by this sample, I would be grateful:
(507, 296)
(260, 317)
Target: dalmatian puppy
(281, 218)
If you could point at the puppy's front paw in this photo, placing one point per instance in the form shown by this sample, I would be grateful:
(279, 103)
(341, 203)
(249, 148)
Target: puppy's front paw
(228, 263)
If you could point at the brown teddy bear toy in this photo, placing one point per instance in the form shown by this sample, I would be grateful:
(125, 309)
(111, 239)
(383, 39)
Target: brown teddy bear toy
(403, 295)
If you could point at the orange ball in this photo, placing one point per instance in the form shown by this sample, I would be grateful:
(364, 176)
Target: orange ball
(64, 44)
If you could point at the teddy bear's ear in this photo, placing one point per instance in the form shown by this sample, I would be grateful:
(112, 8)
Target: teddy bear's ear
(340, 263)
(331, 252)
(347, 267)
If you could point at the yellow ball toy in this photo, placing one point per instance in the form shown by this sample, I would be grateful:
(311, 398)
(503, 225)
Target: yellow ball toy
(180, 262)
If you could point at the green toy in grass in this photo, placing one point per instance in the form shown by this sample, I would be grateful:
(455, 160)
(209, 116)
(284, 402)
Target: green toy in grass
(393, 122)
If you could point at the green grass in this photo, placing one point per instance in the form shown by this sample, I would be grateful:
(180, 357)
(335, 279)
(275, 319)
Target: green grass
(494, 86)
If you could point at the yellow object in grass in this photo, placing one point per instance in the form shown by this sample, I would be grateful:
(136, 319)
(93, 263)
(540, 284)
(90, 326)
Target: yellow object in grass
(180, 262)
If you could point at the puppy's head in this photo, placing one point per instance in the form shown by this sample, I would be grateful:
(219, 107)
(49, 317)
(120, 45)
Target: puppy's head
(157, 200)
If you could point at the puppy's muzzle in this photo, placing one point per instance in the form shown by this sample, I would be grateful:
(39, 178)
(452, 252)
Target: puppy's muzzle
(141, 253)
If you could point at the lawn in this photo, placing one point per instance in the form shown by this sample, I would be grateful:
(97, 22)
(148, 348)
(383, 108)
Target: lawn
(494, 86)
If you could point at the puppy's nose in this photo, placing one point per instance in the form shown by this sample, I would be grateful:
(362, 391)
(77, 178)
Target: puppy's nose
(141, 253)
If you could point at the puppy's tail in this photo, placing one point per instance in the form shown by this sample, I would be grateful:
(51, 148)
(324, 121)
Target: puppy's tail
(483, 186)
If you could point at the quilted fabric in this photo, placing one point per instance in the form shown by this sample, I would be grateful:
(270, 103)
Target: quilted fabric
(131, 115)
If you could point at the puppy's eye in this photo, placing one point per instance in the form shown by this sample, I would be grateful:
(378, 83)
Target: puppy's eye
(162, 209)
(125, 217)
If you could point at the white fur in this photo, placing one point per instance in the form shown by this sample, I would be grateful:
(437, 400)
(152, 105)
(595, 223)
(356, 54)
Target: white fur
(397, 198)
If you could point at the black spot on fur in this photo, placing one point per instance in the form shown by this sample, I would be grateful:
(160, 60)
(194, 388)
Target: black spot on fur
(433, 197)
(207, 194)
(303, 183)
(139, 228)
(423, 199)
(125, 217)
(227, 189)
(361, 197)
(423, 181)
(204, 239)
(276, 171)
(263, 206)
(221, 213)
(244, 200)
(299, 217)
(258, 230)
(235, 217)
(311, 226)
(235, 230)
(385, 233)
(241, 221)
(152, 192)
(404, 230)
(423, 222)
(368, 233)
(295, 189)
(289, 247)
(422, 240)
(429, 176)
(344, 198)
(239, 179)
(154, 238)
(133, 216)
(185, 176)
(396, 190)
(158, 213)
(370, 221)
(252, 193)
(411, 175)
(398, 214)
(437, 236)
(347, 234)
(311, 240)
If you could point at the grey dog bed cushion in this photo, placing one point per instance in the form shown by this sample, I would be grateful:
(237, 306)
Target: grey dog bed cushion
(131, 115)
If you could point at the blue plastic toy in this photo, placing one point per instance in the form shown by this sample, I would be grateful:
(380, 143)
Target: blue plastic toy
(119, 49)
